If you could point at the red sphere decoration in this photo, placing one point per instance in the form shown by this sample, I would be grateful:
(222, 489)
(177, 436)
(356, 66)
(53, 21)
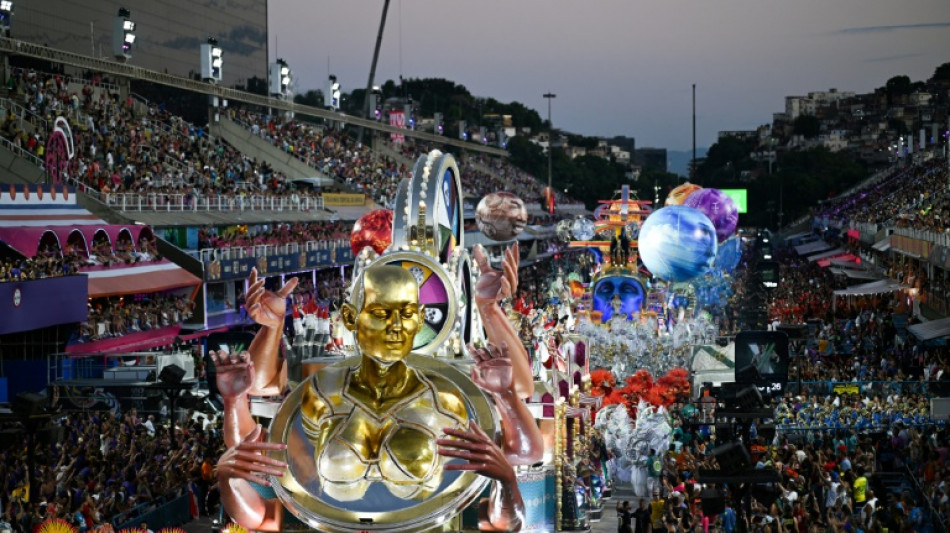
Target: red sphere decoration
(374, 229)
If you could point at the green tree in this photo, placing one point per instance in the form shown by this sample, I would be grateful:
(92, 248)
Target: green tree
(807, 125)
(313, 97)
(942, 73)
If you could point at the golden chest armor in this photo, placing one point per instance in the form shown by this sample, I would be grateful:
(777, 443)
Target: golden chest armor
(356, 445)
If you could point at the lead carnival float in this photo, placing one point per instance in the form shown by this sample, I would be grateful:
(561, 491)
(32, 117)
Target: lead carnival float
(415, 417)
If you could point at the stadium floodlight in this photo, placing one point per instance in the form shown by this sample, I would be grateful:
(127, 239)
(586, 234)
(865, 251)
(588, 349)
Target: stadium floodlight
(333, 93)
(212, 61)
(123, 35)
(375, 103)
(281, 78)
(6, 13)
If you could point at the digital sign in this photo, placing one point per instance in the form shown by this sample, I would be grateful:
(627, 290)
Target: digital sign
(740, 197)
(762, 359)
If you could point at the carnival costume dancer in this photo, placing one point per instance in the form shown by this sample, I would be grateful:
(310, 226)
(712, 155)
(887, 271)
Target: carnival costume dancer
(376, 418)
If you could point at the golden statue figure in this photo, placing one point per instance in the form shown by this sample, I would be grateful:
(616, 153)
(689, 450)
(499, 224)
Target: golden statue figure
(376, 418)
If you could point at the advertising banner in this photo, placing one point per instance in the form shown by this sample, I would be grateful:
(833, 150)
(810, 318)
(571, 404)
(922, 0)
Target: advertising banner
(397, 119)
(41, 303)
(276, 264)
(343, 199)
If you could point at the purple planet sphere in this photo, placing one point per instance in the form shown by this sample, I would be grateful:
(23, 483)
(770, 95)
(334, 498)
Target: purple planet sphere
(501, 216)
(718, 207)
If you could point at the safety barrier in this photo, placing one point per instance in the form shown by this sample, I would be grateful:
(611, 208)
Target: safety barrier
(884, 388)
(188, 202)
(171, 510)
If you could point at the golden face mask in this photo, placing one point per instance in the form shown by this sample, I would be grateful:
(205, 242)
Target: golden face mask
(390, 315)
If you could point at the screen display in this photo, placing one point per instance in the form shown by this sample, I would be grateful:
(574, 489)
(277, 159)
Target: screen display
(762, 357)
(740, 197)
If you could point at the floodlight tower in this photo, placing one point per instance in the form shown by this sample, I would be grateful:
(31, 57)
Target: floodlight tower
(6, 13)
(333, 93)
(123, 35)
(211, 61)
(281, 78)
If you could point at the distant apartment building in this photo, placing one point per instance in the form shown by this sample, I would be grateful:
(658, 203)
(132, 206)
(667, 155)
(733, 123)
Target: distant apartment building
(796, 106)
(654, 158)
(739, 134)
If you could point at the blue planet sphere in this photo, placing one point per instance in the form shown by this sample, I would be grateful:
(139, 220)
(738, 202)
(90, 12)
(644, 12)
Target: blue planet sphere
(677, 243)
(727, 258)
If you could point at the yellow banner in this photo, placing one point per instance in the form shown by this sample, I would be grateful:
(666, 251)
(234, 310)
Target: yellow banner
(842, 388)
(343, 199)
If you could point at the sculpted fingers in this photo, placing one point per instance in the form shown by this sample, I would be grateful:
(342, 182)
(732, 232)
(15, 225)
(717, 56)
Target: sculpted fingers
(288, 287)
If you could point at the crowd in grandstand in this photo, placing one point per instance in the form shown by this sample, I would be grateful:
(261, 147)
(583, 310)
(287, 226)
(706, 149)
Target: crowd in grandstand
(914, 196)
(127, 146)
(106, 469)
(828, 444)
(52, 261)
(116, 316)
(275, 234)
(336, 155)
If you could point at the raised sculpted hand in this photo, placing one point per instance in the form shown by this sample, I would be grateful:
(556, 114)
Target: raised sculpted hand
(503, 510)
(235, 373)
(265, 307)
(247, 461)
(496, 285)
(483, 455)
(492, 371)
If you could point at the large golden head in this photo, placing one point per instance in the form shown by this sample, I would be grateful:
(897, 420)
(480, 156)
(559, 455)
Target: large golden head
(385, 313)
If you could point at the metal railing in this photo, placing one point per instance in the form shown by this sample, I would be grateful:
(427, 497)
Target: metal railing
(924, 235)
(188, 202)
(206, 255)
(22, 152)
(24, 114)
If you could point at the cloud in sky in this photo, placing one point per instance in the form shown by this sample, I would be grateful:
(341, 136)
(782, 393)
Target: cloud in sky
(895, 27)
(891, 58)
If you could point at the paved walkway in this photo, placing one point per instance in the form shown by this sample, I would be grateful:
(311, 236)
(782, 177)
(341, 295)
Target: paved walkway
(608, 521)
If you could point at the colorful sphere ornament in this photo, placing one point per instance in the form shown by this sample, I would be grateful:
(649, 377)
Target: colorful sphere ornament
(374, 229)
(501, 216)
(677, 243)
(719, 207)
(679, 194)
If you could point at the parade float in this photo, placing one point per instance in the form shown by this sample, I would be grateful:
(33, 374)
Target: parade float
(620, 332)
(412, 417)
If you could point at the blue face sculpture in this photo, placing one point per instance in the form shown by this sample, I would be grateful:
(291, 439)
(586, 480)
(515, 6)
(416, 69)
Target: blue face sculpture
(630, 291)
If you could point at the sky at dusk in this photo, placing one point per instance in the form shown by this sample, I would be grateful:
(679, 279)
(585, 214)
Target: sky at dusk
(622, 67)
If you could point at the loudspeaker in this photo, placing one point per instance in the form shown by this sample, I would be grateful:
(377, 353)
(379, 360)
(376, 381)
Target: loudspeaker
(171, 374)
(713, 502)
(27, 404)
(749, 398)
(51, 434)
(732, 457)
(765, 493)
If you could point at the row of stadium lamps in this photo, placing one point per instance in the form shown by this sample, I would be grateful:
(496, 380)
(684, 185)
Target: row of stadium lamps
(212, 60)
